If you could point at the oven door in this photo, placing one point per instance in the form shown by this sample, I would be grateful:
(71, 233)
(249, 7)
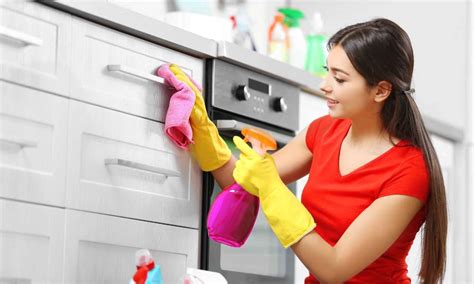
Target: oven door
(261, 259)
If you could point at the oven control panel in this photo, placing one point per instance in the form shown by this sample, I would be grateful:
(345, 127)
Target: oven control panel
(254, 95)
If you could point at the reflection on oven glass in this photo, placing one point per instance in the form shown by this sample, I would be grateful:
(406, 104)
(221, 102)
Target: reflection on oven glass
(261, 254)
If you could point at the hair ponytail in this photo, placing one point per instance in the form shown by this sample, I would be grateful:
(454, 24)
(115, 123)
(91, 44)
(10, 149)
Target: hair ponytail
(402, 119)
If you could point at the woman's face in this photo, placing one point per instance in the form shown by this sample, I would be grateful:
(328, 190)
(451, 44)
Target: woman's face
(347, 93)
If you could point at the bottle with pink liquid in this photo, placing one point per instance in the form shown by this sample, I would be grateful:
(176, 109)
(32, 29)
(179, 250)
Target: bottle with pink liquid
(233, 214)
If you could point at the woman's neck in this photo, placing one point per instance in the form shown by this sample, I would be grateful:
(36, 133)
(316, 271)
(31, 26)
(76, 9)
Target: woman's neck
(367, 131)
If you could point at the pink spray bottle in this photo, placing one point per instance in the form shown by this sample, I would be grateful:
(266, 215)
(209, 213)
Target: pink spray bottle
(234, 211)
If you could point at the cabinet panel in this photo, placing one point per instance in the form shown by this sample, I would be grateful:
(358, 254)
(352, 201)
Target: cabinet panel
(101, 249)
(31, 243)
(132, 85)
(32, 145)
(33, 46)
(124, 165)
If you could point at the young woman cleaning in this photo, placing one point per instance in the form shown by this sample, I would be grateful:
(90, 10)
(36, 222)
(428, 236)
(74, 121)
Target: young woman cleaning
(374, 178)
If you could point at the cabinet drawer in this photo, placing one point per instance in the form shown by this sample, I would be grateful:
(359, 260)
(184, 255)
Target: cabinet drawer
(32, 145)
(124, 165)
(31, 243)
(33, 46)
(101, 249)
(133, 89)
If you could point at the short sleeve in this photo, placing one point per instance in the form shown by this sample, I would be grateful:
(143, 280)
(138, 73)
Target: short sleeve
(411, 179)
(312, 132)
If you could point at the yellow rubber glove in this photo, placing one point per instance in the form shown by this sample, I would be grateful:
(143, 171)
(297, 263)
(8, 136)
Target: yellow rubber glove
(289, 219)
(209, 149)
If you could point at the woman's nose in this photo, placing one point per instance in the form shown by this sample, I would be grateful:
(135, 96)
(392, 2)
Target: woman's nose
(324, 86)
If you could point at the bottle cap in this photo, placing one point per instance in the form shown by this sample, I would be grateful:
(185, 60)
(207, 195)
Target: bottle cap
(292, 16)
(142, 257)
(317, 22)
(279, 18)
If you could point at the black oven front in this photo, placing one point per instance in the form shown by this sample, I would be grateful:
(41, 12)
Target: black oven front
(237, 98)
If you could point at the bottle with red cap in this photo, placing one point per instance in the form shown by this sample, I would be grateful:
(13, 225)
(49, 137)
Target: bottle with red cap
(147, 271)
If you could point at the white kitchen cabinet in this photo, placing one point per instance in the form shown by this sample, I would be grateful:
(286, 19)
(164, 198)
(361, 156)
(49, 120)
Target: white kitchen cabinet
(130, 84)
(87, 175)
(100, 249)
(32, 145)
(31, 243)
(311, 108)
(123, 165)
(34, 46)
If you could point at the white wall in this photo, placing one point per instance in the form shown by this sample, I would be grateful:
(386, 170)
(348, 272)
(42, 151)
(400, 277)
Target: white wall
(438, 31)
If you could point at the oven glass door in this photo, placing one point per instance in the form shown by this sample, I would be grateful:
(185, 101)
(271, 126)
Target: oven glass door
(261, 259)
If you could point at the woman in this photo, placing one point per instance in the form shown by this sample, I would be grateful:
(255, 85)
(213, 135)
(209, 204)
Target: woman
(374, 177)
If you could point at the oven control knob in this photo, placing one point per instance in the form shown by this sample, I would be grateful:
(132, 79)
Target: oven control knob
(280, 105)
(242, 93)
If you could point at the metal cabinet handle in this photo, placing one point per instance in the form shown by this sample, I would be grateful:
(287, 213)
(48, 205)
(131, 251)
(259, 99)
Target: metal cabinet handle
(234, 125)
(19, 36)
(148, 168)
(134, 72)
(19, 143)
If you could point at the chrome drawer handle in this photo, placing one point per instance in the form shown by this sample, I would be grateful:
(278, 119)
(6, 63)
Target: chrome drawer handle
(148, 168)
(19, 36)
(134, 72)
(19, 143)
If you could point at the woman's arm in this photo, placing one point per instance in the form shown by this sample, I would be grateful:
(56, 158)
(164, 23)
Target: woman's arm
(292, 161)
(366, 239)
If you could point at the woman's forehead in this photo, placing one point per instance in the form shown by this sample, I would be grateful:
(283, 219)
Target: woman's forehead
(337, 58)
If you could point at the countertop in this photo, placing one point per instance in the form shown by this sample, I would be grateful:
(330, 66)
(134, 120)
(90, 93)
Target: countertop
(181, 40)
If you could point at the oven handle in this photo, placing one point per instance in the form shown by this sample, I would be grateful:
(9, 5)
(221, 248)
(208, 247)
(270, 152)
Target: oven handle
(234, 125)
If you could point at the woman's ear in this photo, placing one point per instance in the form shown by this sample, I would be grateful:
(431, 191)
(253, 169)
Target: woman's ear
(384, 89)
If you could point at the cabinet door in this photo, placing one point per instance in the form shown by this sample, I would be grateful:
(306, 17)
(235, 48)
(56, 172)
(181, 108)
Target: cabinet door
(34, 43)
(124, 165)
(32, 145)
(101, 249)
(31, 243)
(117, 71)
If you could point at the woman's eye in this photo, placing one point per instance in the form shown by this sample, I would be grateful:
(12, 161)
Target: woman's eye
(325, 68)
(339, 80)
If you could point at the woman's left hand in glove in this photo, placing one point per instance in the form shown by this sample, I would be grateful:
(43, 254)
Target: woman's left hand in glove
(289, 219)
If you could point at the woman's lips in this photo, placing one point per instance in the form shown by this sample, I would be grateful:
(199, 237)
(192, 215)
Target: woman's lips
(332, 103)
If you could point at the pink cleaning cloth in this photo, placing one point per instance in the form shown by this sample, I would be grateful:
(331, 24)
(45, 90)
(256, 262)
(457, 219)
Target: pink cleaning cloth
(177, 125)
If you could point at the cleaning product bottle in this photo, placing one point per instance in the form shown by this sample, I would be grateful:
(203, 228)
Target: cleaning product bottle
(277, 39)
(296, 40)
(234, 211)
(147, 271)
(317, 51)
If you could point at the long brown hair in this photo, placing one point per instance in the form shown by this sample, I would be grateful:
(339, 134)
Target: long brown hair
(380, 50)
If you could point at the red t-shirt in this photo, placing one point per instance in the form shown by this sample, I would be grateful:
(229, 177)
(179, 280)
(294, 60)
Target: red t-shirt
(335, 201)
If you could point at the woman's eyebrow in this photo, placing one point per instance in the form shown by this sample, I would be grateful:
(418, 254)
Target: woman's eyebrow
(335, 69)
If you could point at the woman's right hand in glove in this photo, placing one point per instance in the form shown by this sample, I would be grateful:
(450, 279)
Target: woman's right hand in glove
(209, 149)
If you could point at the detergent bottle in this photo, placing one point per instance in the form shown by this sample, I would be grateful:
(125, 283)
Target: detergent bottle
(147, 271)
(296, 40)
(234, 211)
(277, 39)
(317, 51)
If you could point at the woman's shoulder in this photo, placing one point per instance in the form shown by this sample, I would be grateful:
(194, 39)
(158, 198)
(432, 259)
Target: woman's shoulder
(327, 122)
(323, 128)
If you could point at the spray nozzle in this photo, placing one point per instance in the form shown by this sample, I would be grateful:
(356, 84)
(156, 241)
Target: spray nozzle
(292, 16)
(261, 141)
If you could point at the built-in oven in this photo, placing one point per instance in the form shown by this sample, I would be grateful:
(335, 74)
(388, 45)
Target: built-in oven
(237, 97)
